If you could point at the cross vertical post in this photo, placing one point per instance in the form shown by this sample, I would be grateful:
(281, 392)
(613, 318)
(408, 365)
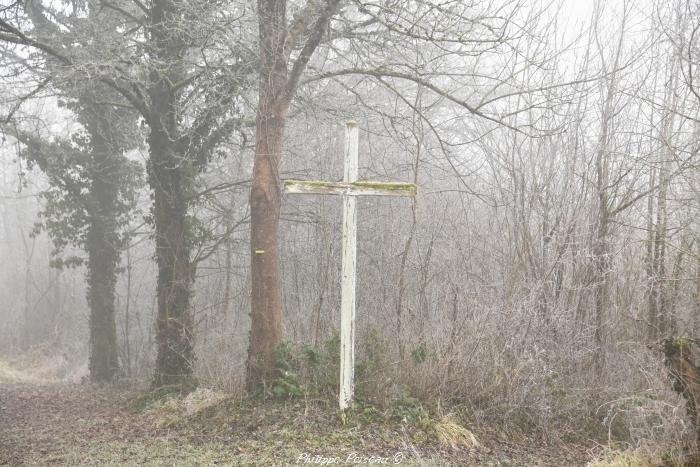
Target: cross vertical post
(347, 301)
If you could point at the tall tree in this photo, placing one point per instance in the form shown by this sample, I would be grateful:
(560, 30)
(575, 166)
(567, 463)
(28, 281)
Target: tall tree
(89, 205)
(278, 83)
(162, 65)
(182, 139)
(92, 184)
(604, 182)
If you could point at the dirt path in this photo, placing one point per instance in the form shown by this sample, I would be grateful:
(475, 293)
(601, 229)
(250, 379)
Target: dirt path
(44, 422)
(41, 421)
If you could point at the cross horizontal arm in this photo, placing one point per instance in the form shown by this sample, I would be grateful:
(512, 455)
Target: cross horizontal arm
(358, 188)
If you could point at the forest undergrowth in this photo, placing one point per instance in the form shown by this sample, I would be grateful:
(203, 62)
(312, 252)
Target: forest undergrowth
(50, 417)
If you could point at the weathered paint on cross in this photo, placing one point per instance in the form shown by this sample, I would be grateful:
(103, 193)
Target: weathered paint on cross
(347, 291)
(349, 188)
(357, 188)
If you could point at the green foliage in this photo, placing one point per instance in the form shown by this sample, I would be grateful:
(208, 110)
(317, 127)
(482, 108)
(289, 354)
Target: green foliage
(65, 262)
(682, 343)
(286, 385)
(409, 410)
(369, 414)
(73, 201)
(197, 232)
(420, 353)
(323, 367)
(307, 371)
(371, 369)
(375, 351)
(65, 214)
(312, 355)
(284, 357)
(332, 347)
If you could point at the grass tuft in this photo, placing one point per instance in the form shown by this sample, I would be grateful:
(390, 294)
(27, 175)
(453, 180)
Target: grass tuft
(452, 434)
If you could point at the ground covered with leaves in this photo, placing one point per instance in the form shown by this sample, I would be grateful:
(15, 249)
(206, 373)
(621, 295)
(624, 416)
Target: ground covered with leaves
(44, 421)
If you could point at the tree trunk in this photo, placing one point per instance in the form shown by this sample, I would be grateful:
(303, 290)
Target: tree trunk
(605, 214)
(657, 294)
(602, 266)
(266, 300)
(657, 310)
(601, 248)
(649, 260)
(103, 257)
(171, 177)
(276, 88)
(175, 358)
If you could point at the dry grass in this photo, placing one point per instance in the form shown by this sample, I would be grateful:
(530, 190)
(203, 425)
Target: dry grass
(639, 458)
(452, 434)
(201, 399)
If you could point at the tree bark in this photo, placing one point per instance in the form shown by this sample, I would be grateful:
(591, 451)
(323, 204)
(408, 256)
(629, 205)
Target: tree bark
(266, 311)
(601, 260)
(175, 358)
(171, 177)
(266, 301)
(277, 86)
(657, 294)
(103, 257)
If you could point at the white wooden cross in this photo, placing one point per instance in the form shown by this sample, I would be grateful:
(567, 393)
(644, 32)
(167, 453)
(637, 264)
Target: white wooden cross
(349, 188)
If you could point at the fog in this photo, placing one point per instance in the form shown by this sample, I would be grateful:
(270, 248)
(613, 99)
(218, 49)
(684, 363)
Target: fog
(544, 280)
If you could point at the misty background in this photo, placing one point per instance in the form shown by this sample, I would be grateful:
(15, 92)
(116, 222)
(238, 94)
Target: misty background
(554, 240)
